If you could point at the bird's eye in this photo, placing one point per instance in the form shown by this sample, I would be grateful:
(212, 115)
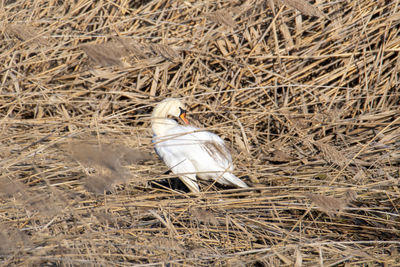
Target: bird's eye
(182, 110)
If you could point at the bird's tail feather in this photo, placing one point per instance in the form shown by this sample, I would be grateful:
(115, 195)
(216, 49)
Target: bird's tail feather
(191, 183)
(233, 180)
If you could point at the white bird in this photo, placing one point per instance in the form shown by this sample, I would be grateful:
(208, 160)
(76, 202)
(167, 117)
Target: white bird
(188, 151)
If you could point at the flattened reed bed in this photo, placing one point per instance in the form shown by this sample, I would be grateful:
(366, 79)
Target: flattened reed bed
(306, 94)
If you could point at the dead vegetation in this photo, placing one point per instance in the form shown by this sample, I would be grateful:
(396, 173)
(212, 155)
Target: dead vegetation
(305, 93)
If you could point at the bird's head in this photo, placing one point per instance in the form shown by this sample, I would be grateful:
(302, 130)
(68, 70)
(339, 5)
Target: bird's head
(171, 107)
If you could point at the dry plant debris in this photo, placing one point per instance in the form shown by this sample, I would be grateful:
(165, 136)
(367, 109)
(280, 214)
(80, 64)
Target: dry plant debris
(306, 93)
(331, 205)
(106, 164)
(304, 7)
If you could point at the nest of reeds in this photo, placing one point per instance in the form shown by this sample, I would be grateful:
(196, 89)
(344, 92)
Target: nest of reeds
(306, 94)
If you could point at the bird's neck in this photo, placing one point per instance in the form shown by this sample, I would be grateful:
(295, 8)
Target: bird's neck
(162, 126)
(159, 121)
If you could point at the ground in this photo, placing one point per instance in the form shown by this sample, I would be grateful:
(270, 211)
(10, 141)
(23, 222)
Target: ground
(304, 93)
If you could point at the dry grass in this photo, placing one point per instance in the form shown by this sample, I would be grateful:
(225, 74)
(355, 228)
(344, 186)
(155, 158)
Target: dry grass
(306, 94)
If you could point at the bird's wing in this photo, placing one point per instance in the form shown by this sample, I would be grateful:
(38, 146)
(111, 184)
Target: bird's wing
(207, 151)
(188, 150)
(216, 157)
(218, 151)
(171, 152)
(214, 147)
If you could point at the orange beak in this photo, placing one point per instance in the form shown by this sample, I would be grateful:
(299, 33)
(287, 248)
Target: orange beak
(183, 117)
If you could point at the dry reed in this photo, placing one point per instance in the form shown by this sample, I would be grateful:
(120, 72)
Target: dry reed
(306, 94)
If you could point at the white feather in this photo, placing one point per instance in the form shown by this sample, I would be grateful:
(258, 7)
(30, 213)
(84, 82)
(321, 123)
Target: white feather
(189, 152)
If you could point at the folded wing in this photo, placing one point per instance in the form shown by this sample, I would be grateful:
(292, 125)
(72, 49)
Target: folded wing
(168, 150)
(189, 152)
